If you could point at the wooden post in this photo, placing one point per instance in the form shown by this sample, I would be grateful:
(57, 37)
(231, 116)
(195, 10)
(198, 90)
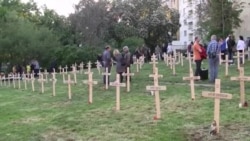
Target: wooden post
(69, 82)
(74, 73)
(63, 75)
(46, 75)
(192, 78)
(89, 68)
(128, 74)
(5, 79)
(137, 65)
(221, 60)
(98, 66)
(14, 80)
(217, 95)
(238, 60)
(60, 69)
(66, 69)
(1, 80)
(190, 61)
(243, 56)
(81, 67)
(156, 88)
(41, 80)
(54, 80)
(19, 80)
(165, 58)
(90, 83)
(117, 84)
(153, 59)
(242, 80)
(25, 81)
(106, 73)
(32, 79)
(173, 66)
(226, 61)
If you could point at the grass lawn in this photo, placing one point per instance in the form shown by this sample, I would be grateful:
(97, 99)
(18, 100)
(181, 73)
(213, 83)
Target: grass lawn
(32, 116)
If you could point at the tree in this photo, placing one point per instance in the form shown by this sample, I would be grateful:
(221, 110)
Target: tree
(218, 17)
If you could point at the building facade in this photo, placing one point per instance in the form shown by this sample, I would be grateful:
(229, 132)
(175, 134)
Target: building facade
(244, 28)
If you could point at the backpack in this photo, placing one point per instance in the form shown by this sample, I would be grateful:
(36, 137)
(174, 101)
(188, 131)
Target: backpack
(203, 53)
(123, 60)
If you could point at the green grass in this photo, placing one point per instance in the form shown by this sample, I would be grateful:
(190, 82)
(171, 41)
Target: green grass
(31, 116)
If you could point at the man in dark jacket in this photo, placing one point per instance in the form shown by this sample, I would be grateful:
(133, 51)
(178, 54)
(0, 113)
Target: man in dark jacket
(107, 62)
(127, 56)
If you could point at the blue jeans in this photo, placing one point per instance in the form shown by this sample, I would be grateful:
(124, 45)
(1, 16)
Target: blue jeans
(213, 68)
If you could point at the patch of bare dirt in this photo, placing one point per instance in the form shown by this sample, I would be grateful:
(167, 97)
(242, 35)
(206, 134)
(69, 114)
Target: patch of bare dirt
(230, 132)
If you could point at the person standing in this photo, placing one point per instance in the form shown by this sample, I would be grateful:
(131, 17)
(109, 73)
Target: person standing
(127, 56)
(230, 45)
(197, 56)
(240, 47)
(223, 49)
(213, 58)
(120, 68)
(189, 48)
(107, 62)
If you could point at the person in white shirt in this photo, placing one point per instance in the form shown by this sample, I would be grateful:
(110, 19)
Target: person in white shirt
(170, 49)
(241, 46)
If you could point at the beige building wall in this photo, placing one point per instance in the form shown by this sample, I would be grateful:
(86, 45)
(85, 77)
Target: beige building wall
(244, 30)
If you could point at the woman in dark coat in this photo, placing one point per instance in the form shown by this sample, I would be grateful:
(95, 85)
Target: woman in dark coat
(119, 67)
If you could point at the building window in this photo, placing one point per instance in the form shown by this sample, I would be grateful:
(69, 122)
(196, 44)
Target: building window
(185, 33)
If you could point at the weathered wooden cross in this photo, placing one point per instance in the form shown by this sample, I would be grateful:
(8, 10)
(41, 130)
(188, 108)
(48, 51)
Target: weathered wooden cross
(192, 78)
(41, 80)
(98, 66)
(74, 73)
(217, 95)
(220, 59)
(14, 80)
(137, 65)
(238, 60)
(46, 75)
(19, 80)
(60, 69)
(81, 67)
(66, 69)
(69, 82)
(173, 66)
(25, 81)
(54, 80)
(117, 84)
(106, 74)
(63, 74)
(90, 83)
(242, 80)
(156, 88)
(89, 68)
(153, 59)
(226, 61)
(32, 79)
(128, 75)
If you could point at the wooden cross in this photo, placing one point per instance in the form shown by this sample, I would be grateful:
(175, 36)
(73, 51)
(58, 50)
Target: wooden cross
(165, 58)
(226, 61)
(90, 83)
(74, 73)
(54, 80)
(173, 65)
(190, 61)
(182, 60)
(4, 81)
(221, 60)
(106, 73)
(137, 65)
(39, 74)
(192, 78)
(41, 80)
(89, 68)
(81, 67)
(63, 74)
(142, 58)
(46, 75)
(117, 84)
(19, 80)
(32, 79)
(25, 81)
(242, 80)
(128, 74)
(153, 59)
(14, 80)
(9, 77)
(217, 95)
(60, 69)
(238, 60)
(66, 69)
(156, 88)
(98, 66)
(69, 82)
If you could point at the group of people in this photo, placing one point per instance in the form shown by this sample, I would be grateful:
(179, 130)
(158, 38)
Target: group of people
(122, 59)
(214, 49)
